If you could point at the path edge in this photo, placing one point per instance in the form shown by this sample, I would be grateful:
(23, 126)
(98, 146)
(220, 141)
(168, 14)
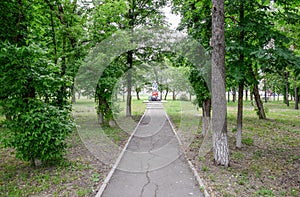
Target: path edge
(196, 175)
(113, 169)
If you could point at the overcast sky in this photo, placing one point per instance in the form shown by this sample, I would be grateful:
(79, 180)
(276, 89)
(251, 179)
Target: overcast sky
(172, 18)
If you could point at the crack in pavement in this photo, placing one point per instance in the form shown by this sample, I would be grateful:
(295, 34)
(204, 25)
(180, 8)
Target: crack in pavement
(156, 190)
(148, 167)
(153, 165)
(148, 181)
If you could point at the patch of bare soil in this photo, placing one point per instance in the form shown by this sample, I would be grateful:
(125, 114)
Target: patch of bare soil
(255, 170)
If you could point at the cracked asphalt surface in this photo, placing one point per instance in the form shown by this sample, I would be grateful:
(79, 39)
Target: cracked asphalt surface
(153, 164)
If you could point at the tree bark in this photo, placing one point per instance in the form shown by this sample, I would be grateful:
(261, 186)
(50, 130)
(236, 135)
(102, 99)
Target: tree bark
(100, 118)
(240, 116)
(53, 31)
(259, 104)
(79, 94)
(266, 94)
(138, 95)
(296, 97)
(161, 95)
(73, 98)
(123, 96)
(206, 107)
(166, 95)
(129, 83)
(173, 95)
(287, 89)
(131, 17)
(234, 94)
(219, 115)
(246, 94)
(241, 82)
(228, 96)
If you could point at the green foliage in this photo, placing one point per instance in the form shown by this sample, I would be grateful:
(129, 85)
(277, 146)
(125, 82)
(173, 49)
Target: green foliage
(105, 16)
(205, 169)
(199, 85)
(197, 20)
(36, 124)
(248, 141)
(105, 88)
(265, 192)
(175, 79)
(26, 70)
(238, 155)
(257, 110)
(38, 131)
(183, 97)
(258, 154)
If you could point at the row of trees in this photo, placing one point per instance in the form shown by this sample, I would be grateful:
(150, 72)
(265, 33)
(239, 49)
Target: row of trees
(261, 43)
(44, 43)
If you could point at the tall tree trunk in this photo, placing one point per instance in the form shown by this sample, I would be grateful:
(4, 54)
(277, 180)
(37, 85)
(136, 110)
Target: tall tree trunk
(131, 17)
(166, 95)
(129, 83)
(219, 115)
(138, 95)
(161, 95)
(206, 107)
(53, 31)
(73, 92)
(62, 92)
(228, 96)
(79, 94)
(116, 95)
(296, 97)
(99, 107)
(259, 104)
(241, 82)
(265, 87)
(234, 94)
(173, 95)
(246, 94)
(73, 98)
(286, 99)
(240, 116)
(100, 118)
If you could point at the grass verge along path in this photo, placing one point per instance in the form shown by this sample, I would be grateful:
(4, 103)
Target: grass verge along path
(269, 162)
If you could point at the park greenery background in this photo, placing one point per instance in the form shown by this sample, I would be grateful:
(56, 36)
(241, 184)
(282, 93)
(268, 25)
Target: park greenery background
(44, 43)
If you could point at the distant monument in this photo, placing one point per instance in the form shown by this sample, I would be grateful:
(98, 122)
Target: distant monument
(154, 96)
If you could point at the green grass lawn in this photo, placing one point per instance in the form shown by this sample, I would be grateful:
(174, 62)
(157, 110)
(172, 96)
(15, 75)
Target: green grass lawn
(267, 165)
(82, 172)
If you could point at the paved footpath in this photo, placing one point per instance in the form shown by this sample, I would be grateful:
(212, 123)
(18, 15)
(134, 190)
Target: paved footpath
(153, 164)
